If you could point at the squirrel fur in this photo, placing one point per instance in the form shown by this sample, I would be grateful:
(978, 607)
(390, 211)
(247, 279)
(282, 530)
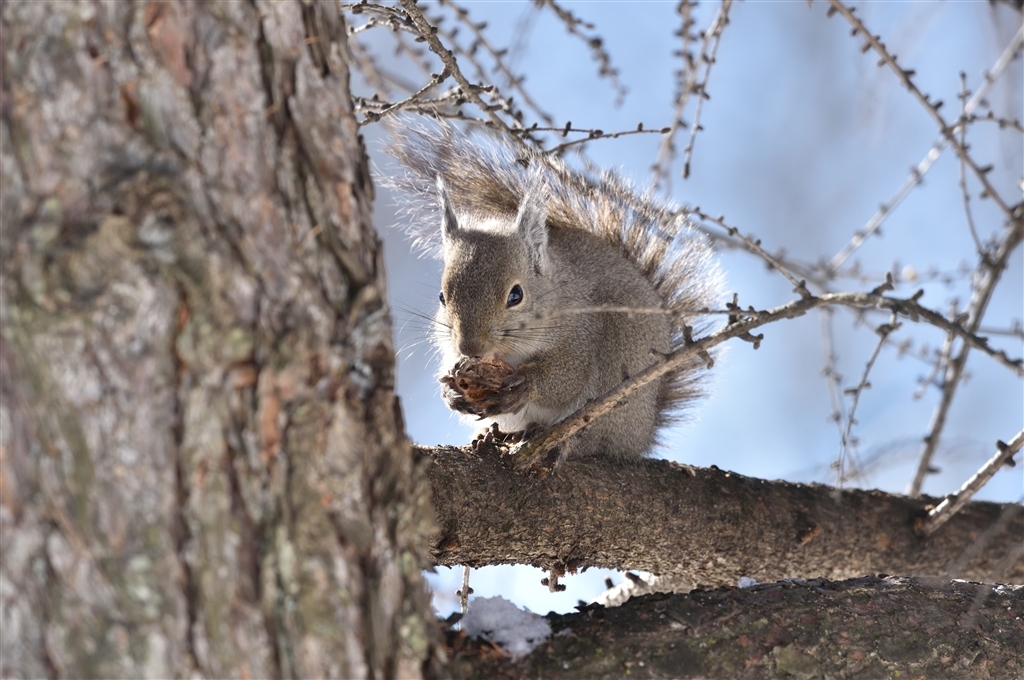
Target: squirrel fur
(530, 248)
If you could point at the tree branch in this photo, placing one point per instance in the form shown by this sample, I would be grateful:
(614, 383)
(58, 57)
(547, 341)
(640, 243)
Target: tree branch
(532, 451)
(904, 75)
(953, 502)
(429, 34)
(918, 172)
(990, 269)
(707, 525)
(865, 627)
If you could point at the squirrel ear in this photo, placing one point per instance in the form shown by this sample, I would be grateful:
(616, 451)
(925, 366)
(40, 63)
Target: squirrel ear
(532, 224)
(449, 225)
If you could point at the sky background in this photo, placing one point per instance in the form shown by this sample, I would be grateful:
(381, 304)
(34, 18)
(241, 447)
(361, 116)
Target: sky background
(804, 137)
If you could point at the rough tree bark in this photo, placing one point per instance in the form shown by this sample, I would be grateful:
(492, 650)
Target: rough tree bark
(870, 627)
(704, 526)
(204, 471)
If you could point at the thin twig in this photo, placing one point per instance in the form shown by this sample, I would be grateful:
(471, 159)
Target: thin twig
(1016, 330)
(501, 102)
(594, 42)
(952, 503)
(592, 135)
(874, 42)
(919, 171)
(687, 86)
(429, 34)
(1003, 123)
(514, 81)
(721, 19)
(941, 359)
(908, 307)
(752, 245)
(848, 443)
(833, 382)
(745, 321)
(374, 116)
(963, 167)
(990, 269)
(464, 591)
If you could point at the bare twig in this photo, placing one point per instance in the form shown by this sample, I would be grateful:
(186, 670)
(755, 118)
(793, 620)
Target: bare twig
(919, 171)
(1003, 123)
(752, 245)
(963, 167)
(952, 503)
(592, 135)
(687, 86)
(745, 321)
(717, 25)
(514, 81)
(464, 591)
(990, 270)
(847, 441)
(429, 34)
(594, 42)
(415, 97)
(941, 360)
(1016, 330)
(874, 42)
(833, 383)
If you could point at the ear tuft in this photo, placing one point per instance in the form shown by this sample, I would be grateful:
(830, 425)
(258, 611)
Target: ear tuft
(449, 225)
(532, 222)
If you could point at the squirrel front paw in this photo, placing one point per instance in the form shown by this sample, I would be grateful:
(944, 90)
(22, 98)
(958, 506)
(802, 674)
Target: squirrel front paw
(510, 397)
(484, 387)
(457, 401)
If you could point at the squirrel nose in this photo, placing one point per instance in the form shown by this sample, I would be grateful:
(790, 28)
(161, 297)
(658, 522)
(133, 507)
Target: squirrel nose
(471, 344)
(471, 347)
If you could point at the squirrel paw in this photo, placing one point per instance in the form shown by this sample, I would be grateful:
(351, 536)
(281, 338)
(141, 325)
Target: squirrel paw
(510, 397)
(457, 401)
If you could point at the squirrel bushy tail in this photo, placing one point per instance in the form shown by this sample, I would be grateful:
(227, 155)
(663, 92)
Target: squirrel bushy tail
(486, 178)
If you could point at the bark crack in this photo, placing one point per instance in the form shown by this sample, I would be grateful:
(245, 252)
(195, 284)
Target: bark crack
(45, 617)
(182, 533)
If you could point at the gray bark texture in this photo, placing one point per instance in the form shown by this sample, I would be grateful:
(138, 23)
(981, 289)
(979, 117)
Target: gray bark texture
(204, 471)
(704, 526)
(869, 627)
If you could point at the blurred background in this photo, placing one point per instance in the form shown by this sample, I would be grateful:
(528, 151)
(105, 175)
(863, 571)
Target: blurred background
(803, 138)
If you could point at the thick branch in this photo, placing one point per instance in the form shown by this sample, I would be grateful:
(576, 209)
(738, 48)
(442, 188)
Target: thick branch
(707, 525)
(868, 627)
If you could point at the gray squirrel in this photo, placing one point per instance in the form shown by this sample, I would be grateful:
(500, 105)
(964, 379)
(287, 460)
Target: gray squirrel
(564, 275)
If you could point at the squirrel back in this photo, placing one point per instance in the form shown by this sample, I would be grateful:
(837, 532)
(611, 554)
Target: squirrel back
(487, 192)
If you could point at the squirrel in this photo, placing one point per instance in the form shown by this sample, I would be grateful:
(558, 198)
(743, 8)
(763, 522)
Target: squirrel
(571, 278)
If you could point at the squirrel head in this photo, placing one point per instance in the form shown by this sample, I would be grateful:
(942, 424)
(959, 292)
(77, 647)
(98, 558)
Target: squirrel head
(494, 279)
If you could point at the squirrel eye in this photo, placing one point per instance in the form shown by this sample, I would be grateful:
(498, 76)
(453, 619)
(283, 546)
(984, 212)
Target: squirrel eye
(515, 296)
(440, 297)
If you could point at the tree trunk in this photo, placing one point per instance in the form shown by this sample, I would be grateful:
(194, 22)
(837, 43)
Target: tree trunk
(203, 465)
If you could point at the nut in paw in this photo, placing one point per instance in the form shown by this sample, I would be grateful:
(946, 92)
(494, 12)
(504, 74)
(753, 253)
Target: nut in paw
(508, 398)
(478, 385)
